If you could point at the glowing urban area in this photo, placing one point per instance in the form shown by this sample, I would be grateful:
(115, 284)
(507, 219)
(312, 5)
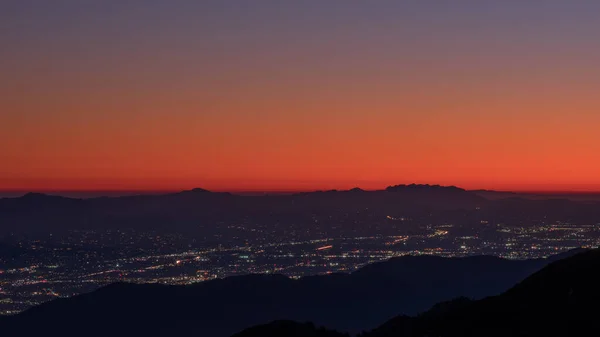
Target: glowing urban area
(50, 265)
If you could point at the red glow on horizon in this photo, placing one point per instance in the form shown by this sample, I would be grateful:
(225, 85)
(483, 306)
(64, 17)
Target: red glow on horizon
(288, 189)
(300, 102)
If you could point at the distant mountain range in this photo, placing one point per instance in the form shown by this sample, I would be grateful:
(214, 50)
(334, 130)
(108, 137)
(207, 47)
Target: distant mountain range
(197, 210)
(349, 302)
(574, 196)
(186, 211)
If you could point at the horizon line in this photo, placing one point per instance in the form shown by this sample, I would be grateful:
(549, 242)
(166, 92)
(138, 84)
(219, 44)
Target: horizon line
(124, 192)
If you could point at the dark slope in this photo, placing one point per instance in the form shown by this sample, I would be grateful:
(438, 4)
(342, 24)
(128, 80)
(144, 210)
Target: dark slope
(288, 328)
(559, 300)
(348, 302)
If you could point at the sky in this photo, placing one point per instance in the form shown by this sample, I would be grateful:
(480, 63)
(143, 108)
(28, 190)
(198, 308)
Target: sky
(299, 95)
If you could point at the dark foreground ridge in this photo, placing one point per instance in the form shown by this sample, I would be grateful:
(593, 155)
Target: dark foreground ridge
(347, 302)
(289, 328)
(559, 300)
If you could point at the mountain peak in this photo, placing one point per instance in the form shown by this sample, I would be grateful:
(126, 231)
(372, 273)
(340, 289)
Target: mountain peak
(196, 190)
(356, 189)
(404, 187)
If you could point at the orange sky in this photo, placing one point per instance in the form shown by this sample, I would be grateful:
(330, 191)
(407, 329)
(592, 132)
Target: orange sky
(272, 107)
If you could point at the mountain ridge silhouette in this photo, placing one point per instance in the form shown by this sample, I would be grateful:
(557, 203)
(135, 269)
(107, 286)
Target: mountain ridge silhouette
(219, 308)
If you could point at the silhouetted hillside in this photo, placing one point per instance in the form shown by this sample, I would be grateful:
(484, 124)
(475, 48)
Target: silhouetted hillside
(559, 300)
(288, 328)
(348, 302)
